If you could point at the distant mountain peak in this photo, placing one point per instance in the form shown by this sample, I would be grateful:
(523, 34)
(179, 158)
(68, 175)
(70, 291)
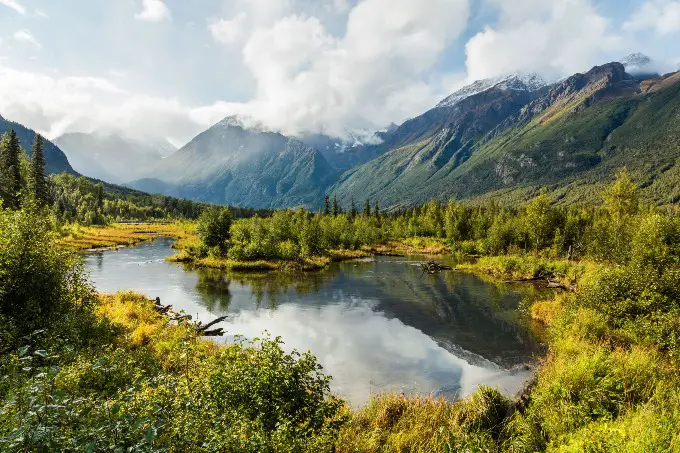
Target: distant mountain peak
(635, 58)
(244, 122)
(515, 81)
(639, 64)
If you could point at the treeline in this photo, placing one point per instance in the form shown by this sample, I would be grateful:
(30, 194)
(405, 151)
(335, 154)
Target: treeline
(82, 200)
(71, 198)
(603, 232)
(22, 180)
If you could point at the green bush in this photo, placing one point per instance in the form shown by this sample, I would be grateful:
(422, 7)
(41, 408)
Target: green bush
(213, 226)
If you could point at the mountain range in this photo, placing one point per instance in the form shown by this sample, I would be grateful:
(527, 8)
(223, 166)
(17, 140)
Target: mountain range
(504, 138)
(232, 164)
(112, 157)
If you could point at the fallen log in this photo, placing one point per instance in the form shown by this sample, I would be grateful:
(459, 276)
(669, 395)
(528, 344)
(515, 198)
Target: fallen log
(432, 267)
(163, 310)
(204, 328)
(213, 333)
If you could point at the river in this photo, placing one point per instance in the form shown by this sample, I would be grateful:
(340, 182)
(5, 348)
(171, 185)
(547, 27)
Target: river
(375, 325)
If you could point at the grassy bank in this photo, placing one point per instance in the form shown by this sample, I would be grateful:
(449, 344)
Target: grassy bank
(528, 267)
(79, 237)
(608, 384)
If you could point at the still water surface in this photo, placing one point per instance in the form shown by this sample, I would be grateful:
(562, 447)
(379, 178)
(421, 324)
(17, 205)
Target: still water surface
(375, 325)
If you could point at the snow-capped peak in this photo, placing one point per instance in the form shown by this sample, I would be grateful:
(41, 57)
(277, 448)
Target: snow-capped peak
(516, 81)
(244, 122)
(638, 63)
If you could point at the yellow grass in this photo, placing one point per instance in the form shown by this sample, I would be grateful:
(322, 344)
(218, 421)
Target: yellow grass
(411, 246)
(116, 235)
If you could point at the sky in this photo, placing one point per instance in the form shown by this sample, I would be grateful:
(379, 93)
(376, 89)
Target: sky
(169, 69)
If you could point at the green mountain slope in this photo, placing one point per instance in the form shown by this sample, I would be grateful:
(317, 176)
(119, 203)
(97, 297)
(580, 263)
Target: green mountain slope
(233, 165)
(571, 139)
(55, 159)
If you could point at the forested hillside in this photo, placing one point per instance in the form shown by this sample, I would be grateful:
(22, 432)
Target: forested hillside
(55, 159)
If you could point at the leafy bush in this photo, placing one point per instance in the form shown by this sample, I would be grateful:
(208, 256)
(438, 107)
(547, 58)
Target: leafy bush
(39, 282)
(213, 226)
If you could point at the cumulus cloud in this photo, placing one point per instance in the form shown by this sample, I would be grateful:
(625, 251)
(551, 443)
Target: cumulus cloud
(14, 5)
(309, 80)
(153, 11)
(26, 36)
(662, 16)
(553, 38)
(229, 31)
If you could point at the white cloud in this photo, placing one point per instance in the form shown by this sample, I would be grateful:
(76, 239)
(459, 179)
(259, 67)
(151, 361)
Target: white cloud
(662, 16)
(153, 11)
(311, 81)
(554, 38)
(14, 5)
(57, 104)
(26, 36)
(229, 31)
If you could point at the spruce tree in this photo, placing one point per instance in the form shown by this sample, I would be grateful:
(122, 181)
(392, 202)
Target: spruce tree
(10, 170)
(367, 208)
(336, 210)
(38, 180)
(353, 209)
(376, 209)
(99, 202)
(326, 205)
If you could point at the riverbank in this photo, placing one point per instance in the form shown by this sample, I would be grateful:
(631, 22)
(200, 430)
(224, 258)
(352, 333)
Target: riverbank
(82, 238)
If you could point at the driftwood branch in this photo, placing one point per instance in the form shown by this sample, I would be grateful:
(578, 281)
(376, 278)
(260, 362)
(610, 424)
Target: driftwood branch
(432, 267)
(203, 330)
(213, 333)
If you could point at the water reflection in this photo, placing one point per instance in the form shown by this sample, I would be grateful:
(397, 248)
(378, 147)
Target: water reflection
(374, 325)
(213, 287)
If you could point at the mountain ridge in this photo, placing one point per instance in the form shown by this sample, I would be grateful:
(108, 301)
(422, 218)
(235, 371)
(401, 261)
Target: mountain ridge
(55, 159)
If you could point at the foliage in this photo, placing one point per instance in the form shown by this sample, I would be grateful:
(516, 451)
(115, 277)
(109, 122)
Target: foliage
(11, 181)
(39, 188)
(213, 227)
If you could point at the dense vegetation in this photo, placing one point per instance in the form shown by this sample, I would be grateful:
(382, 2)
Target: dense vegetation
(83, 372)
(539, 229)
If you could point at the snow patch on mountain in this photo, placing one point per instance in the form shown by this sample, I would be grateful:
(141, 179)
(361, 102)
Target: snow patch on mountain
(517, 82)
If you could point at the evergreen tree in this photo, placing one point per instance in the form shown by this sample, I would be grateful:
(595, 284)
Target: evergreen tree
(376, 209)
(38, 180)
(367, 208)
(10, 170)
(99, 202)
(326, 205)
(353, 209)
(336, 210)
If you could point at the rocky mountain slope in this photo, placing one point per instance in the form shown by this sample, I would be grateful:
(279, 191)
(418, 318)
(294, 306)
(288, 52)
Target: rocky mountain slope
(233, 164)
(55, 159)
(111, 157)
(571, 136)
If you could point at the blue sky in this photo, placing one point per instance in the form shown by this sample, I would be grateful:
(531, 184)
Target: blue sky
(170, 68)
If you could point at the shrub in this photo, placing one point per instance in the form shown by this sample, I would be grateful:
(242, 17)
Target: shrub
(213, 226)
